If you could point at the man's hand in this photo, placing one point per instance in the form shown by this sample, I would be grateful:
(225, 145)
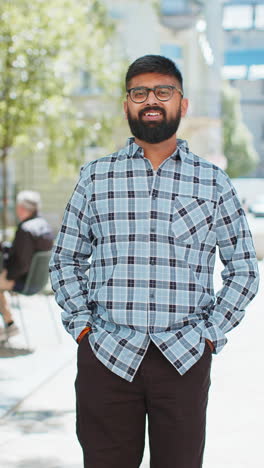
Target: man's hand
(210, 344)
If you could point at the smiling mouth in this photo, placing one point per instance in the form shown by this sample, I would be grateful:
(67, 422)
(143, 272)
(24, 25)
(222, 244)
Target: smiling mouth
(152, 114)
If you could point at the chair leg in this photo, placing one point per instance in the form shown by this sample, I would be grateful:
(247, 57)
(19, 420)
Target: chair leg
(24, 328)
(17, 305)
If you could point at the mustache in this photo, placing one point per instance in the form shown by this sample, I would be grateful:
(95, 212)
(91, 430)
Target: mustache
(152, 109)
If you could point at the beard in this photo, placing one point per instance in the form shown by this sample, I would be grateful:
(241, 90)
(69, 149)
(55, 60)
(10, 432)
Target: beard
(153, 132)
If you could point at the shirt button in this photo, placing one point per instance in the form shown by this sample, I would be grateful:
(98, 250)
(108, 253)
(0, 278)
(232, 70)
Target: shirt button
(153, 261)
(153, 229)
(152, 295)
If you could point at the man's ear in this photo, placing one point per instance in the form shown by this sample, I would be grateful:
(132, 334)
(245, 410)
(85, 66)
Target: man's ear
(125, 108)
(184, 106)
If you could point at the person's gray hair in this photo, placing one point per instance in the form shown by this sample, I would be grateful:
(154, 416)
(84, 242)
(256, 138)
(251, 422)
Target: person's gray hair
(29, 200)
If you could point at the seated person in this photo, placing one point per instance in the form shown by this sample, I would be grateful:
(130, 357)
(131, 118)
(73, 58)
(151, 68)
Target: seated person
(33, 235)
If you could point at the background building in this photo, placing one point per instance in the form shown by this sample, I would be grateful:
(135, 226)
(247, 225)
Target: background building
(196, 29)
(189, 32)
(243, 26)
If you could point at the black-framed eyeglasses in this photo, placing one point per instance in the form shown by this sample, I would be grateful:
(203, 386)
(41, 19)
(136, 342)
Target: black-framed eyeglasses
(162, 93)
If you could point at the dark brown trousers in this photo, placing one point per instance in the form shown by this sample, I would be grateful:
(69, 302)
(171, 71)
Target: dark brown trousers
(111, 412)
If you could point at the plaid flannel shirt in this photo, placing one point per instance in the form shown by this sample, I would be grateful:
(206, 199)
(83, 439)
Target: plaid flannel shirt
(152, 238)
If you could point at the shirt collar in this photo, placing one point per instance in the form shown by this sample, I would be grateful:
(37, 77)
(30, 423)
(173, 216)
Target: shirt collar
(132, 149)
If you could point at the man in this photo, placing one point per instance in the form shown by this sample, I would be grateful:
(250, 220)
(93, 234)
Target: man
(147, 319)
(33, 235)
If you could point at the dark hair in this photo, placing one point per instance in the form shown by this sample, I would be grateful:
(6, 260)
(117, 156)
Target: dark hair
(153, 64)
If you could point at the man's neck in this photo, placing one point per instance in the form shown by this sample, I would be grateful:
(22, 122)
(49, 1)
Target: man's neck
(158, 152)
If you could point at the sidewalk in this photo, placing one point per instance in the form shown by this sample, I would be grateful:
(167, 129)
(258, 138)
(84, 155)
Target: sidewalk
(41, 432)
(23, 369)
(236, 402)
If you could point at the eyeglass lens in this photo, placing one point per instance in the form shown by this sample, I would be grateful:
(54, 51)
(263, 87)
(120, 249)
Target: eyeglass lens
(140, 94)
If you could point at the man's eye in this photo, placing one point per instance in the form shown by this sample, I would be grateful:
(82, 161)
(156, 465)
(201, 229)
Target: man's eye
(139, 92)
(163, 92)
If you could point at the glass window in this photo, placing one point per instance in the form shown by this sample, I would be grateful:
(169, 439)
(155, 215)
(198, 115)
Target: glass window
(238, 17)
(171, 51)
(259, 17)
(236, 72)
(170, 7)
(88, 84)
(236, 40)
(256, 72)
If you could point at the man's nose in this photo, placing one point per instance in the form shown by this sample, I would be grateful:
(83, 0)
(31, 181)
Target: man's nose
(151, 99)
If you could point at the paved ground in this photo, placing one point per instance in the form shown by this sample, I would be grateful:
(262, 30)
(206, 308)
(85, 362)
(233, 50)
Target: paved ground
(37, 428)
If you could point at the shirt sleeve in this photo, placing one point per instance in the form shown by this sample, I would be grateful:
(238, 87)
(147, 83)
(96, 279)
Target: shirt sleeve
(69, 263)
(240, 275)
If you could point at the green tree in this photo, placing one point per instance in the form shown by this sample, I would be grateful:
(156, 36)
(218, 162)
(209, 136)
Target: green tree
(44, 46)
(238, 146)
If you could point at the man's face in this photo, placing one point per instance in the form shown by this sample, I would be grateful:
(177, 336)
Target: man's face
(22, 213)
(19, 212)
(154, 121)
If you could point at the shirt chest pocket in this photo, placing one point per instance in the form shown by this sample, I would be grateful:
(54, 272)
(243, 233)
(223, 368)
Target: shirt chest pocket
(191, 219)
